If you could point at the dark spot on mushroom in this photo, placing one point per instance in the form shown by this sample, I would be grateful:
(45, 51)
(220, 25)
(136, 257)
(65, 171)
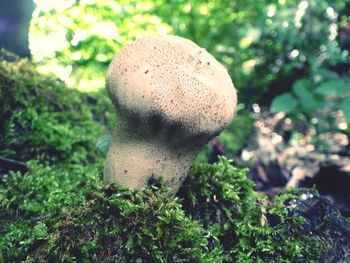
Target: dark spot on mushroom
(155, 47)
(146, 71)
(155, 121)
(173, 130)
(208, 63)
(125, 171)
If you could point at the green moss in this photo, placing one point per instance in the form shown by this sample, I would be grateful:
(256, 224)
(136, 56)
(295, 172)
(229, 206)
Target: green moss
(216, 217)
(41, 118)
(221, 197)
(44, 189)
(110, 224)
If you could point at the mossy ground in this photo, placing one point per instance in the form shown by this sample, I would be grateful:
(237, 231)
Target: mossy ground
(58, 210)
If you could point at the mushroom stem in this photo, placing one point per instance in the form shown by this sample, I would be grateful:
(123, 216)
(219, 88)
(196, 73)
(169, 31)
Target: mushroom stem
(134, 157)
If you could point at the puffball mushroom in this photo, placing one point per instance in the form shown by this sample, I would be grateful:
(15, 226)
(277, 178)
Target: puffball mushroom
(171, 98)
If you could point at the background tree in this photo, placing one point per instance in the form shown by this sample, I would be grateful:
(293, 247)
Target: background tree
(15, 16)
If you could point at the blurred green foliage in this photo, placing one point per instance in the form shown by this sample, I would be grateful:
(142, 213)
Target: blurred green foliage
(81, 37)
(312, 52)
(290, 55)
(264, 45)
(235, 137)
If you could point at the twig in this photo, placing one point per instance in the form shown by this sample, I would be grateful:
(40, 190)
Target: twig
(35, 219)
(13, 162)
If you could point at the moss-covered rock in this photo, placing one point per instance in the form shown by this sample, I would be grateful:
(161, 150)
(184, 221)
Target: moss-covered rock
(321, 226)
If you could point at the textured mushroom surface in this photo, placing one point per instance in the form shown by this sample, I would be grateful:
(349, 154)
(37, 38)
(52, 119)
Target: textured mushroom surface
(171, 97)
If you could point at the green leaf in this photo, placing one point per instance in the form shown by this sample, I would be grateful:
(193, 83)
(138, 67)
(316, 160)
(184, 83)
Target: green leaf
(333, 88)
(345, 107)
(103, 142)
(285, 102)
(308, 101)
(299, 88)
(327, 74)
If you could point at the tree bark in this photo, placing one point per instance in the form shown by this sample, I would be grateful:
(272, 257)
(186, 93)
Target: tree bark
(15, 16)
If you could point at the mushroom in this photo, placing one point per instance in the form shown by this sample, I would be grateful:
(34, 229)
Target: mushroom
(171, 98)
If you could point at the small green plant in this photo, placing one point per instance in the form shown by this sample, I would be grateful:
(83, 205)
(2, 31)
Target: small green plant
(308, 97)
(317, 102)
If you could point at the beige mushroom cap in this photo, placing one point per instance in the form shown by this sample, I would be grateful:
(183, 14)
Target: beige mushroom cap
(171, 97)
(175, 79)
